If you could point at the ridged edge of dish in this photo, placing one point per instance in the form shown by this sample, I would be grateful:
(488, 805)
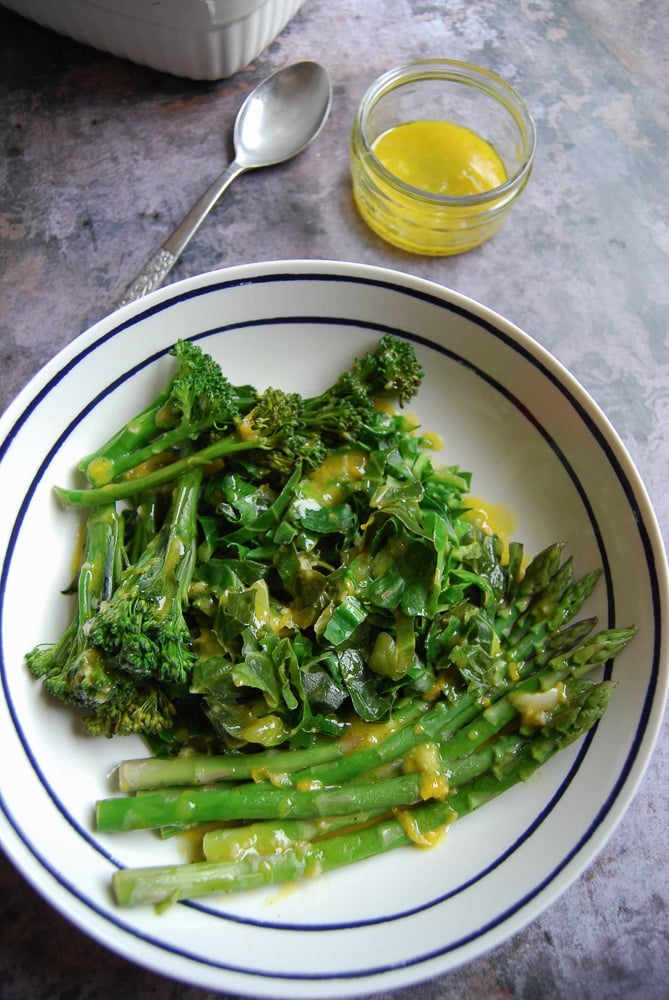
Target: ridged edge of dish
(210, 53)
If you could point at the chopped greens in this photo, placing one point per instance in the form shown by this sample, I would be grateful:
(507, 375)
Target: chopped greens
(288, 599)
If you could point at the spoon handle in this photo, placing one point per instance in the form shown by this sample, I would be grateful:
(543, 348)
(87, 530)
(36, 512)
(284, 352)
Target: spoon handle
(161, 263)
(151, 276)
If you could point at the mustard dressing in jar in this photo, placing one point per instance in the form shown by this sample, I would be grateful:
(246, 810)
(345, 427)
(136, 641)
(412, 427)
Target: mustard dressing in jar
(440, 150)
(441, 157)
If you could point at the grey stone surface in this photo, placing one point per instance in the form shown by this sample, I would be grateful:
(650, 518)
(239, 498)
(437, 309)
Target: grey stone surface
(100, 160)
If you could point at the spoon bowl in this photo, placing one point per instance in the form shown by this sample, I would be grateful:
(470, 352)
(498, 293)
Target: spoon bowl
(273, 124)
(278, 119)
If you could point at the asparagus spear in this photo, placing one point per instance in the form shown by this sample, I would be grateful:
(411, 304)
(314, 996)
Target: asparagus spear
(523, 589)
(265, 837)
(162, 885)
(251, 801)
(203, 769)
(274, 765)
(540, 693)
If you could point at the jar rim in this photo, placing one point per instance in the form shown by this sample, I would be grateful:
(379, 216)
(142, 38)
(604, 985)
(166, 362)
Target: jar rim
(457, 71)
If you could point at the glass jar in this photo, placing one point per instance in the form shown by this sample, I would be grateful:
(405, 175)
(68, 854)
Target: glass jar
(439, 90)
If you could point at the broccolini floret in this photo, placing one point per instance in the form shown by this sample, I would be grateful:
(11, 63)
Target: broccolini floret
(198, 398)
(286, 429)
(141, 628)
(70, 664)
(275, 426)
(270, 428)
(391, 371)
(75, 671)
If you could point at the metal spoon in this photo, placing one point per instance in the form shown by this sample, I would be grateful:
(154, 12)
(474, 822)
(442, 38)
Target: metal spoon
(277, 121)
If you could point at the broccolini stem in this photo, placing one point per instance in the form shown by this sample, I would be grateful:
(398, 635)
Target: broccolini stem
(100, 568)
(112, 492)
(103, 471)
(136, 432)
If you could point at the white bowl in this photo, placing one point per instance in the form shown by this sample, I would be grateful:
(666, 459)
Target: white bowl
(534, 441)
(200, 39)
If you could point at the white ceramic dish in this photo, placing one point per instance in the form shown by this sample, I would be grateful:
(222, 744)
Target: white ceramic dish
(200, 39)
(533, 439)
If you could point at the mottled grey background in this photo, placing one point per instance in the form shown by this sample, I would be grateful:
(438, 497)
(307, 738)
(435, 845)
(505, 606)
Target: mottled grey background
(101, 159)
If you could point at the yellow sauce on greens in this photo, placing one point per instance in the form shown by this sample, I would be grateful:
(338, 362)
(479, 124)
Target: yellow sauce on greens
(493, 518)
(329, 483)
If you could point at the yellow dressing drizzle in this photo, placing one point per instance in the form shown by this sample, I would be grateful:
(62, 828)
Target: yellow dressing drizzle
(432, 440)
(409, 824)
(426, 761)
(441, 157)
(328, 483)
(493, 518)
